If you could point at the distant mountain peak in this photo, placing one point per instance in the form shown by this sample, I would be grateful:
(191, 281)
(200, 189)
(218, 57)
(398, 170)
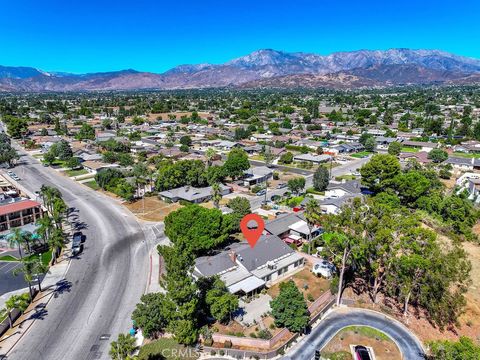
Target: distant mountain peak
(268, 67)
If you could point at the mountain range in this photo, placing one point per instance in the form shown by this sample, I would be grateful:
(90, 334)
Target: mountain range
(267, 69)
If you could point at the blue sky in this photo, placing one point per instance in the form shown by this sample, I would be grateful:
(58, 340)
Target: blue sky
(103, 35)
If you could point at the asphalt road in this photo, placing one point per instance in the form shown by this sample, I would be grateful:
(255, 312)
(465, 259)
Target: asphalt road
(408, 344)
(103, 284)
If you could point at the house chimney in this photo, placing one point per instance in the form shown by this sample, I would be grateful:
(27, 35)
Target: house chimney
(233, 256)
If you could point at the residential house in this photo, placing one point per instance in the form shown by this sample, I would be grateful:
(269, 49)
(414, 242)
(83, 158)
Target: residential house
(192, 194)
(334, 205)
(345, 188)
(423, 146)
(94, 167)
(316, 159)
(463, 164)
(291, 228)
(257, 175)
(421, 157)
(101, 136)
(247, 270)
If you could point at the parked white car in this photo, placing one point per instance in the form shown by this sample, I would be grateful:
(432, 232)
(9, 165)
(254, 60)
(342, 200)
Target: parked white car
(324, 268)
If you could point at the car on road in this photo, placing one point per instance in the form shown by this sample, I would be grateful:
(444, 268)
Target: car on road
(281, 186)
(362, 353)
(356, 173)
(261, 192)
(324, 268)
(10, 173)
(77, 243)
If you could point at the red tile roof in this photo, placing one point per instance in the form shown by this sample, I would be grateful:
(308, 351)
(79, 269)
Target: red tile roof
(17, 206)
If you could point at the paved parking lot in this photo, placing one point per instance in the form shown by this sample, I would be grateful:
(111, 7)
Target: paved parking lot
(8, 281)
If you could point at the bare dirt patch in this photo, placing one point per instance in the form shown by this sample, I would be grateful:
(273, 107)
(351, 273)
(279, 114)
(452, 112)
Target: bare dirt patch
(309, 284)
(152, 208)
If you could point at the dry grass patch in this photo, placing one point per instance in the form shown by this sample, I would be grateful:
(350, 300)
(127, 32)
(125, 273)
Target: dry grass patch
(309, 284)
(152, 208)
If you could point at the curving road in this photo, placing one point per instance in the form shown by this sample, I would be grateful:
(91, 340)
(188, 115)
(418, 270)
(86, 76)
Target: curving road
(103, 284)
(408, 343)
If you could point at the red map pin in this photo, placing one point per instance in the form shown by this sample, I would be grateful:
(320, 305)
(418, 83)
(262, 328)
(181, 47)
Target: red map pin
(252, 232)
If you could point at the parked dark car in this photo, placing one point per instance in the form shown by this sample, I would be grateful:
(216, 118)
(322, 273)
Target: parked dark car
(77, 243)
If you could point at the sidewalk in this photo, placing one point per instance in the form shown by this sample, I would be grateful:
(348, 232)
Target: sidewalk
(54, 283)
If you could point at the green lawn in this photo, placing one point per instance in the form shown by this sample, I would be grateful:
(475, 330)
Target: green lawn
(467, 156)
(345, 177)
(92, 184)
(367, 332)
(361, 154)
(293, 201)
(313, 191)
(8, 258)
(76, 172)
(408, 149)
(46, 257)
(3, 315)
(167, 349)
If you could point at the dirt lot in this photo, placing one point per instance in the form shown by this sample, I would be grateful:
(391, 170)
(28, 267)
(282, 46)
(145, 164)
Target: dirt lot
(283, 178)
(307, 282)
(383, 347)
(236, 329)
(154, 209)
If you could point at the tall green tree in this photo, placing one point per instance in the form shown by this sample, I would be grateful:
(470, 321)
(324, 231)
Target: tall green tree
(216, 195)
(395, 148)
(296, 185)
(151, 314)
(463, 349)
(236, 163)
(380, 172)
(289, 308)
(321, 178)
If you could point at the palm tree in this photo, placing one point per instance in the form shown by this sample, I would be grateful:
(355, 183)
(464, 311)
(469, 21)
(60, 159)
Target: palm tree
(123, 347)
(210, 155)
(59, 209)
(27, 269)
(216, 194)
(56, 242)
(313, 215)
(49, 194)
(45, 227)
(140, 174)
(17, 238)
(15, 302)
(39, 268)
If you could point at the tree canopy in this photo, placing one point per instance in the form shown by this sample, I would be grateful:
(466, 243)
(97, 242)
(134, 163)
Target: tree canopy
(289, 308)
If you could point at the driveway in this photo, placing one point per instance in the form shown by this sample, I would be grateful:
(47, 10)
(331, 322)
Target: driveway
(407, 342)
